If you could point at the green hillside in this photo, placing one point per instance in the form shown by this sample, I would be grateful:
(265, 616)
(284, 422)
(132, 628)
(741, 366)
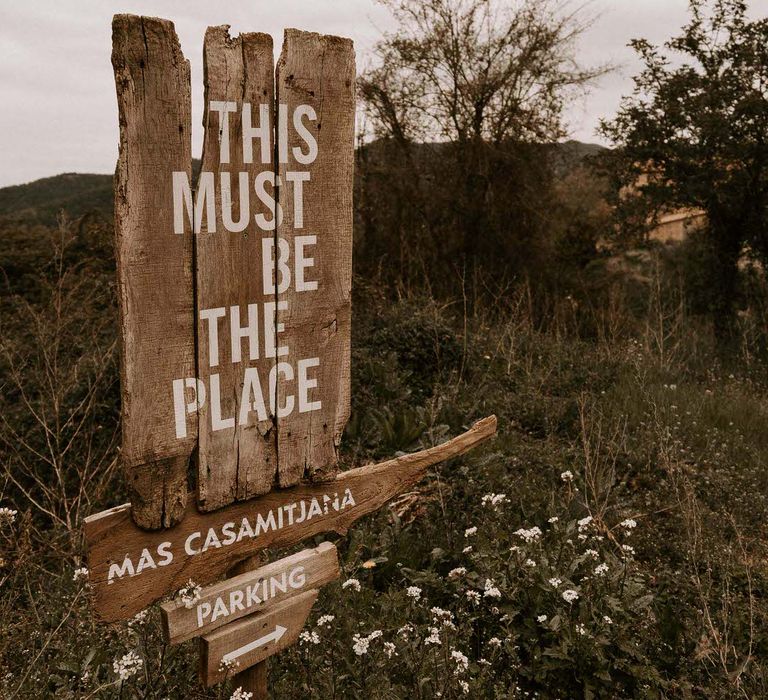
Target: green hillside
(39, 202)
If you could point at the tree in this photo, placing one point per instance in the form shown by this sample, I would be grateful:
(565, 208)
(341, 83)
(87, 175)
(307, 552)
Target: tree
(480, 83)
(699, 124)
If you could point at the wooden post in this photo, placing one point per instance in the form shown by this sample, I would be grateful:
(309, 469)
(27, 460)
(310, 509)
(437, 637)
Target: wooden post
(253, 679)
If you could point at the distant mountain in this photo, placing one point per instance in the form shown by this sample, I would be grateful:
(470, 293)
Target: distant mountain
(570, 154)
(39, 202)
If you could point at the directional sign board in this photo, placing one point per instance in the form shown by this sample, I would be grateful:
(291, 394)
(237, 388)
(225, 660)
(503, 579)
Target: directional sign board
(131, 568)
(254, 638)
(250, 593)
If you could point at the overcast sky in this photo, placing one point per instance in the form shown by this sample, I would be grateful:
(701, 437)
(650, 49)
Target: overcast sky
(58, 111)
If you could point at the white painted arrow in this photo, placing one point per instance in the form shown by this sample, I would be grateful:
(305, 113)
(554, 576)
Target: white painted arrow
(274, 636)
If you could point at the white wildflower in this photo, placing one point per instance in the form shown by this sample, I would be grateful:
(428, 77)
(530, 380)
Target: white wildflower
(228, 665)
(570, 595)
(484, 662)
(462, 662)
(490, 590)
(80, 574)
(444, 617)
(591, 553)
(554, 582)
(352, 583)
(309, 637)
(360, 643)
(494, 642)
(413, 592)
(473, 596)
(128, 665)
(457, 572)
(494, 499)
(325, 620)
(405, 630)
(584, 523)
(629, 523)
(553, 520)
(628, 549)
(389, 649)
(541, 618)
(601, 569)
(464, 687)
(138, 619)
(530, 535)
(607, 620)
(567, 475)
(190, 594)
(581, 629)
(241, 694)
(434, 636)
(8, 516)
(530, 562)
(470, 531)
(467, 549)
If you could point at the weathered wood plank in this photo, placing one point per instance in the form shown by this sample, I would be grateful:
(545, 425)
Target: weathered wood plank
(154, 265)
(237, 460)
(201, 548)
(316, 96)
(250, 592)
(254, 638)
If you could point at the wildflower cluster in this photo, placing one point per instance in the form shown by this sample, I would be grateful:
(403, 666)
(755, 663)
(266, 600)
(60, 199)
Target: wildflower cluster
(361, 643)
(309, 637)
(127, 666)
(7, 516)
(494, 499)
(413, 592)
(228, 666)
(352, 583)
(190, 594)
(530, 535)
(80, 574)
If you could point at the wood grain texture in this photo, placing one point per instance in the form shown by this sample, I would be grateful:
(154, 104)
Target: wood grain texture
(254, 679)
(240, 462)
(112, 535)
(154, 265)
(311, 568)
(288, 616)
(318, 71)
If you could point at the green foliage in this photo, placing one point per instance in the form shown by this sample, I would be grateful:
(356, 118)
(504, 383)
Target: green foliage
(697, 126)
(462, 97)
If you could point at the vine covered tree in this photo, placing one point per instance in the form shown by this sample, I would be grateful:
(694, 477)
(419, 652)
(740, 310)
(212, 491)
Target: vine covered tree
(698, 122)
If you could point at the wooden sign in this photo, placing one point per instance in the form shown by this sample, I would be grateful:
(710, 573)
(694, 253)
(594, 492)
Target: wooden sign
(154, 266)
(254, 638)
(316, 78)
(252, 366)
(235, 301)
(131, 568)
(251, 592)
(237, 457)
